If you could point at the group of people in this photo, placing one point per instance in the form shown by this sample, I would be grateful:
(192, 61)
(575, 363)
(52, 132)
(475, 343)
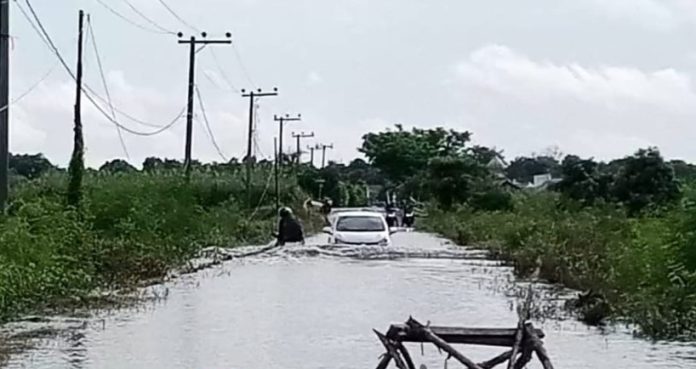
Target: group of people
(290, 230)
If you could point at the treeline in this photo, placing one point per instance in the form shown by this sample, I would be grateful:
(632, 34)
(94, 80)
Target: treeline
(620, 231)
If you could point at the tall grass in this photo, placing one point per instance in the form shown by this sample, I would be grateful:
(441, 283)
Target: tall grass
(630, 269)
(130, 226)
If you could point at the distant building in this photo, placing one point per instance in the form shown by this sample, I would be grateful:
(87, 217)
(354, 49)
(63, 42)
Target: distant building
(543, 182)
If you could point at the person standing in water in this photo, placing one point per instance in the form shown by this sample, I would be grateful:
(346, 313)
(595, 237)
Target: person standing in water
(289, 228)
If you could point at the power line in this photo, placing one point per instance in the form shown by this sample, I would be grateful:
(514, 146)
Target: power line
(207, 125)
(106, 86)
(222, 71)
(241, 64)
(31, 88)
(55, 51)
(128, 20)
(173, 13)
(43, 34)
(148, 19)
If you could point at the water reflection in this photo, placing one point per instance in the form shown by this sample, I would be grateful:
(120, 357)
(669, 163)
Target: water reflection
(315, 306)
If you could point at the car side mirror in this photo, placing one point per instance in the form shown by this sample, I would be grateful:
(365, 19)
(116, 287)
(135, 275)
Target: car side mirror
(327, 230)
(393, 230)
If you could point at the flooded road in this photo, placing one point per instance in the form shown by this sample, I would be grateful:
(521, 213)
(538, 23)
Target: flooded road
(307, 307)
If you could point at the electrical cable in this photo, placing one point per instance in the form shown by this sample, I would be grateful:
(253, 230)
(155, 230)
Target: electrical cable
(128, 20)
(31, 88)
(207, 125)
(87, 91)
(173, 13)
(106, 86)
(148, 19)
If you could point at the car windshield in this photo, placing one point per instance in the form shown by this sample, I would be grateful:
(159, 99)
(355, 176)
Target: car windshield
(360, 223)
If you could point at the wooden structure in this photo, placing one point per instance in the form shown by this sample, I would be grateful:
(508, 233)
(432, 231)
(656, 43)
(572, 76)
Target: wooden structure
(522, 341)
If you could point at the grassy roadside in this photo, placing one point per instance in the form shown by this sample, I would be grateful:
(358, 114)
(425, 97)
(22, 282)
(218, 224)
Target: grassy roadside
(132, 227)
(636, 270)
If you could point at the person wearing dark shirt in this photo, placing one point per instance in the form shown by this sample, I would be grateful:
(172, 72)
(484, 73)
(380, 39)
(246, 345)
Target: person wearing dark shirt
(289, 228)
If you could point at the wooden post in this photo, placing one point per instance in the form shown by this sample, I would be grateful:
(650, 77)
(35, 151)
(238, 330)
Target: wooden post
(391, 350)
(406, 355)
(441, 344)
(538, 347)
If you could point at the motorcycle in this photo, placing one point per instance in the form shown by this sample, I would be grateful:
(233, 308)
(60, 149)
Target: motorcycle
(391, 219)
(409, 219)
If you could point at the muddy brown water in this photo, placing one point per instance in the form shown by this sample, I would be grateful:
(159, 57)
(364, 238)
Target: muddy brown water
(314, 307)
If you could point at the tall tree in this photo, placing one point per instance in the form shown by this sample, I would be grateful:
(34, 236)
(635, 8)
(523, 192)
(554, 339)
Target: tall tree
(644, 180)
(400, 154)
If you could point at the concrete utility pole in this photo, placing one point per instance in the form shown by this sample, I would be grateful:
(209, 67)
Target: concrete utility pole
(311, 154)
(298, 137)
(323, 148)
(193, 42)
(249, 162)
(4, 103)
(281, 123)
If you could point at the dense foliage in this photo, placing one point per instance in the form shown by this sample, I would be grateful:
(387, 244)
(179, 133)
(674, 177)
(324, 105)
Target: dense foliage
(130, 226)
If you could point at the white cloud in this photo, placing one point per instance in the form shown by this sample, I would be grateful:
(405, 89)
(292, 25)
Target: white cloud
(602, 111)
(314, 78)
(505, 71)
(43, 122)
(661, 15)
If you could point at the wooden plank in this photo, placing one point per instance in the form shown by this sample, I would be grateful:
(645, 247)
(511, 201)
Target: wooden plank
(441, 344)
(502, 337)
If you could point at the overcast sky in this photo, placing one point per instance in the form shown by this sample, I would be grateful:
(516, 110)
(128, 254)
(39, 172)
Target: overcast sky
(597, 78)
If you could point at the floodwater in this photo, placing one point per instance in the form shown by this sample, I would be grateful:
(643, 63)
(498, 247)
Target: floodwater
(311, 307)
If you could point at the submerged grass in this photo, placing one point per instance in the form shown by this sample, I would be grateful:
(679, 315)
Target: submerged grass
(132, 226)
(634, 270)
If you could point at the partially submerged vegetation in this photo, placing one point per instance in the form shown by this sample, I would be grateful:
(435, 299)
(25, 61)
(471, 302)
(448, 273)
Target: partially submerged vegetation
(130, 226)
(623, 232)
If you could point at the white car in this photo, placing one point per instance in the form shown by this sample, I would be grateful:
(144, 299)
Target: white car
(359, 228)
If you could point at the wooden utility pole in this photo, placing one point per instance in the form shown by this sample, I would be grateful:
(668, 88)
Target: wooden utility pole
(298, 137)
(249, 160)
(4, 102)
(281, 123)
(311, 154)
(77, 164)
(193, 42)
(275, 173)
(323, 153)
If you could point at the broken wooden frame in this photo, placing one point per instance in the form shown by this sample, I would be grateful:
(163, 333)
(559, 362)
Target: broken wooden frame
(523, 341)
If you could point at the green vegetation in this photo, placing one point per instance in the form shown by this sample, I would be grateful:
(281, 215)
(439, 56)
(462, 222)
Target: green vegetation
(130, 226)
(623, 232)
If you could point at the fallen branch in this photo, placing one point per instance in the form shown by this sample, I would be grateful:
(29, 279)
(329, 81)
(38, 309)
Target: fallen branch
(391, 349)
(441, 344)
(538, 347)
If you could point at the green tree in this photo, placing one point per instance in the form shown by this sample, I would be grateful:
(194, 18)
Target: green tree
(117, 166)
(400, 154)
(523, 169)
(453, 179)
(30, 166)
(581, 180)
(645, 180)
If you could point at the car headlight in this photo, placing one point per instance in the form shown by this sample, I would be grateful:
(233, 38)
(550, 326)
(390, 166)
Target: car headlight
(384, 242)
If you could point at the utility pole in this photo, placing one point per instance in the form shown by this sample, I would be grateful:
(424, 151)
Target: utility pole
(311, 154)
(193, 42)
(4, 103)
(252, 100)
(323, 153)
(77, 164)
(275, 173)
(298, 137)
(281, 123)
